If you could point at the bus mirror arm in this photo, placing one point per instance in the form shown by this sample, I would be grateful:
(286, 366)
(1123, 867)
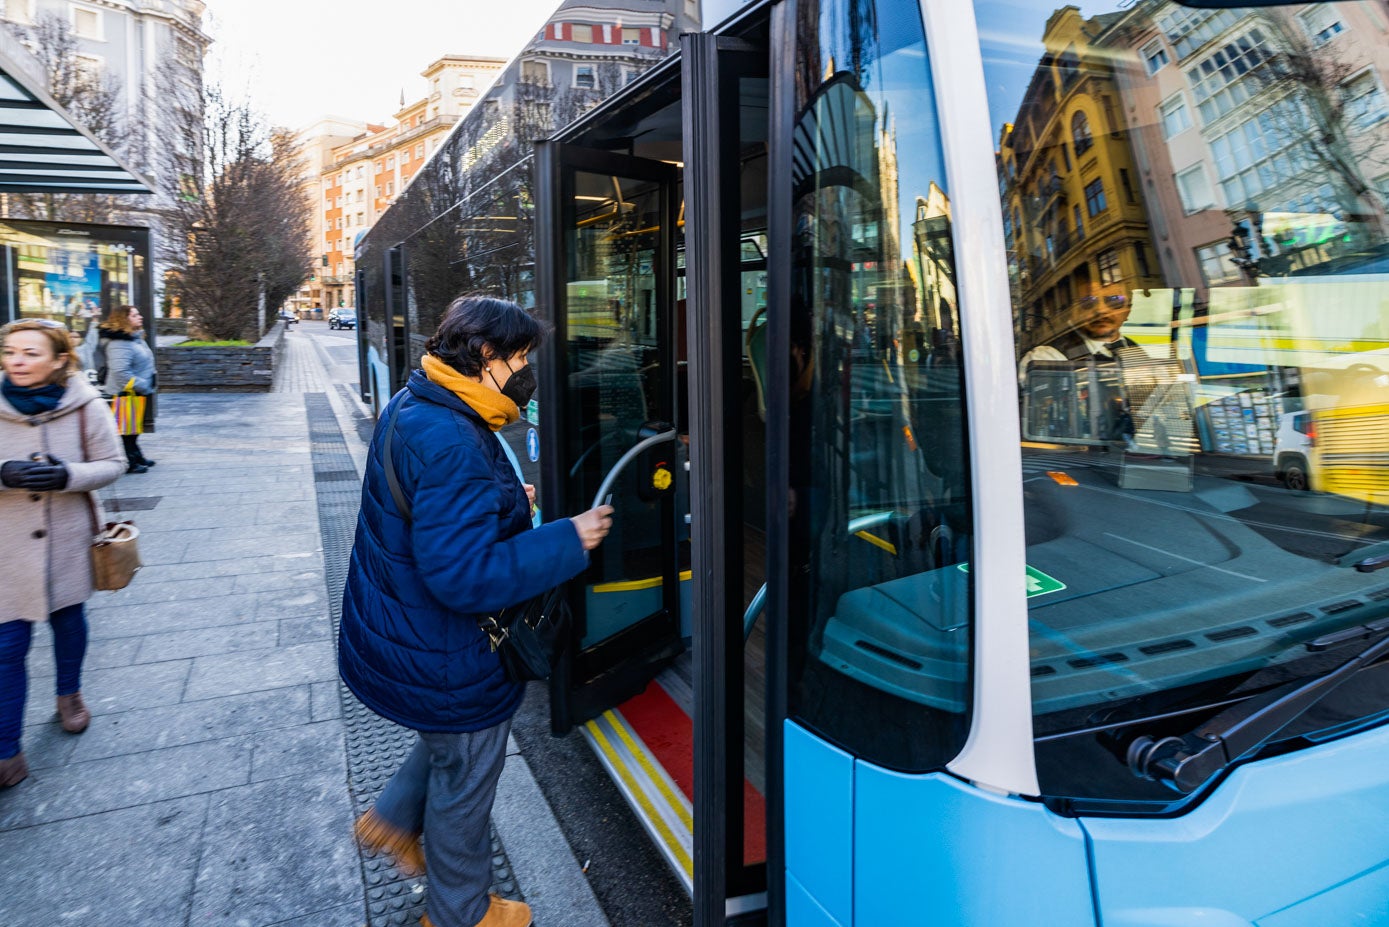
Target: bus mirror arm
(649, 439)
(1186, 763)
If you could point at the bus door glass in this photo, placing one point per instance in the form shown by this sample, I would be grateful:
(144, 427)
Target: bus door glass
(612, 230)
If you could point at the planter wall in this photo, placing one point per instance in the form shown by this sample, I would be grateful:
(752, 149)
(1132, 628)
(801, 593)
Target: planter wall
(171, 326)
(249, 369)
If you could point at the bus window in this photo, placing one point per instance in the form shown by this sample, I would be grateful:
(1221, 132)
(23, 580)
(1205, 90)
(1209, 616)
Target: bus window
(1198, 245)
(879, 621)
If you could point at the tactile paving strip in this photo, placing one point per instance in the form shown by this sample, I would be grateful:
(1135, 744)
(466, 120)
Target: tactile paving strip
(375, 746)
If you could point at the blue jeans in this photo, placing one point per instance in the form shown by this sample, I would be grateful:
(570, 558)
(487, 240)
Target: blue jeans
(69, 647)
(445, 790)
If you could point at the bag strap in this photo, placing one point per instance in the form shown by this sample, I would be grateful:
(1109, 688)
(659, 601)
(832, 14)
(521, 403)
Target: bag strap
(98, 517)
(392, 481)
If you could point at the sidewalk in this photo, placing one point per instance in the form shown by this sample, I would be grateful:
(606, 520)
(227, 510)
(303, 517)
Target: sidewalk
(223, 769)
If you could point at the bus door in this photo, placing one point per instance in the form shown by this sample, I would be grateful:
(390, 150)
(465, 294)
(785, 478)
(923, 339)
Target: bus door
(606, 246)
(726, 103)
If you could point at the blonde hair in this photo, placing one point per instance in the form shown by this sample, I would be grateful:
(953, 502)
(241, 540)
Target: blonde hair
(59, 339)
(119, 319)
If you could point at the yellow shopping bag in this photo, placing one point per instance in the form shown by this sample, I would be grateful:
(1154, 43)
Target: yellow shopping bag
(129, 410)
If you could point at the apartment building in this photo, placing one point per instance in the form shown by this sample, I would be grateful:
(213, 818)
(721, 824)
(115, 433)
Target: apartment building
(361, 175)
(1232, 107)
(1074, 217)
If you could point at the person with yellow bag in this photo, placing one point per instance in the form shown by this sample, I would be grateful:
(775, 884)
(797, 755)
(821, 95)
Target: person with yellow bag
(129, 379)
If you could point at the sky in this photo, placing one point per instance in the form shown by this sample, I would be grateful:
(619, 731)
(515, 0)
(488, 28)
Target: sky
(299, 60)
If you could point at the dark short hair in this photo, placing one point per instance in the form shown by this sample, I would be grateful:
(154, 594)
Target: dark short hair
(475, 322)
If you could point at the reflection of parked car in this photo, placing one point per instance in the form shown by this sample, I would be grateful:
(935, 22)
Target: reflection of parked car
(342, 318)
(1293, 450)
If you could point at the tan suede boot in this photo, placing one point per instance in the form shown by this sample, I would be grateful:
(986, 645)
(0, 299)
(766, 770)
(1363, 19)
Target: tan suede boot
(503, 913)
(13, 770)
(379, 837)
(73, 713)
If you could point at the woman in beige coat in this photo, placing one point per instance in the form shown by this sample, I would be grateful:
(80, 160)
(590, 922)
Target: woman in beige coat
(58, 443)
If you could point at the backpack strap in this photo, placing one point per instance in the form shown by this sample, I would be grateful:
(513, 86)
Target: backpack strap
(392, 481)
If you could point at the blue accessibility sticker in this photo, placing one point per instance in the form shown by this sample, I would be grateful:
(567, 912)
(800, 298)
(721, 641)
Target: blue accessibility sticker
(533, 444)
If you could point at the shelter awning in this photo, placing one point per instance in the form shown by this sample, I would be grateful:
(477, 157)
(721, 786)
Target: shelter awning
(43, 148)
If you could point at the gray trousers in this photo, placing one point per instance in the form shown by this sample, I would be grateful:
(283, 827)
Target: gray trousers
(445, 790)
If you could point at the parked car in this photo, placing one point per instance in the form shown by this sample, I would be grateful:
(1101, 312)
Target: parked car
(1294, 450)
(342, 318)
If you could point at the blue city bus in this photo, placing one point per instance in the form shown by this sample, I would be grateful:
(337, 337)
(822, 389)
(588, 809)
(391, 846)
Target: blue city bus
(934, 354)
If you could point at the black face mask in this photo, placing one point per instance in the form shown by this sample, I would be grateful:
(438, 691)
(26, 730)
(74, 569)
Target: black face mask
(520, 386)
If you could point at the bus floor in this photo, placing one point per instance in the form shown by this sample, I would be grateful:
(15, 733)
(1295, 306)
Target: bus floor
(647, 746)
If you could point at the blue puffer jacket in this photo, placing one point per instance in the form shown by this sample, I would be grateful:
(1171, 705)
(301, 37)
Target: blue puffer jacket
(409, 646)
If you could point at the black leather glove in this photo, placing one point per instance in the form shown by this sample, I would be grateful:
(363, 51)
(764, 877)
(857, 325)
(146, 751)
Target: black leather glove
(45, 477)
(12, 472)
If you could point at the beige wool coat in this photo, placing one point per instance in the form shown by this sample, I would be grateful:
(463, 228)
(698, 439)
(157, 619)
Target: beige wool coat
(46, 537)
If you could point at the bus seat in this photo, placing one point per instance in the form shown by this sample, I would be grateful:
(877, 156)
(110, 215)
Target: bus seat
(755, 344)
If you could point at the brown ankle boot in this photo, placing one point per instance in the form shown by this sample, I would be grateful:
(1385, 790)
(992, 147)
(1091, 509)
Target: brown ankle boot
(503, 913)
(73, 713)
(379, 837)
(13, 771)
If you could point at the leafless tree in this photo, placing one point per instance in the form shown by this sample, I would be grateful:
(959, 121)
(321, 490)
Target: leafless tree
(1315, 121)
(240, 212)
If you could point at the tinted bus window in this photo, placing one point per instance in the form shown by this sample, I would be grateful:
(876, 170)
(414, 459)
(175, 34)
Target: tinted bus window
(1195, 205)
(880, 508)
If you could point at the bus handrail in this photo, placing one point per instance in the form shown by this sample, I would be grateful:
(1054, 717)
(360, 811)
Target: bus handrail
(606, 488)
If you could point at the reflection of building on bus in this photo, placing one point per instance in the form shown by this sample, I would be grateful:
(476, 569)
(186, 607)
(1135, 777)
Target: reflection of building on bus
(1228, 107)
(1074, 215)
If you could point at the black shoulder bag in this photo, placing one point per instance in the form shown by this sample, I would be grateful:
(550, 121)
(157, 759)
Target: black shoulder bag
(528, 637)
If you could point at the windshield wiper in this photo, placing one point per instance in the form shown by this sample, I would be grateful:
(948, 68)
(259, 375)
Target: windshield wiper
(1186, 763)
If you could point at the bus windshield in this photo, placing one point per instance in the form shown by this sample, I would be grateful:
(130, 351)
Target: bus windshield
(1196, 211)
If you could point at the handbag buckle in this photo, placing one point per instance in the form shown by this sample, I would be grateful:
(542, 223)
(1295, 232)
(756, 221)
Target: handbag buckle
(496, 634)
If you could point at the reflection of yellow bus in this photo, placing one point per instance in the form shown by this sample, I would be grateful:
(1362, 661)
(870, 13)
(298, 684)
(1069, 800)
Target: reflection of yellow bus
(1350, 413)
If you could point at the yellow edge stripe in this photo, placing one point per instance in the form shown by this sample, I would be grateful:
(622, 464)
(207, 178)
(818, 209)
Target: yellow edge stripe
(671, 799)
(649, 809)
(878, 542)
(635, 585)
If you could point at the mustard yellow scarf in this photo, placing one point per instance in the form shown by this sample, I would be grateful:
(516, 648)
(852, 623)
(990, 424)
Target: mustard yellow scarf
(496, 410)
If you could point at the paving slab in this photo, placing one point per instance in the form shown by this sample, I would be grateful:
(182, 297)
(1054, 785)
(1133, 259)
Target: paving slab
(162, 617)
(89, 872)
(192, 722)
(110, 691)
(202, 642)
(304, 630)
(258, 670)
(80, 789)
(258, 868)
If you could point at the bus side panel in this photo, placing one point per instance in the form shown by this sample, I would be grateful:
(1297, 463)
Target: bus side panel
(802, 910)
(934, 850)
(1293, 841)
(819, 826)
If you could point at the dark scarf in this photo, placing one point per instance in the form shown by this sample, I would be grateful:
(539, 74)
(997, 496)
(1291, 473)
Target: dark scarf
(33, 400)
(115, 334)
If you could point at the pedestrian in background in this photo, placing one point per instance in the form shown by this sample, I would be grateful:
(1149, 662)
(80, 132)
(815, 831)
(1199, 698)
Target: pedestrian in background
(129, 362)
(410, 647)
(57, 444)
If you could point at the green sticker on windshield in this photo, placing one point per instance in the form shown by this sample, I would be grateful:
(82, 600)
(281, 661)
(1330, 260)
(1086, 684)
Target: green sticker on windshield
(1038, 583)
